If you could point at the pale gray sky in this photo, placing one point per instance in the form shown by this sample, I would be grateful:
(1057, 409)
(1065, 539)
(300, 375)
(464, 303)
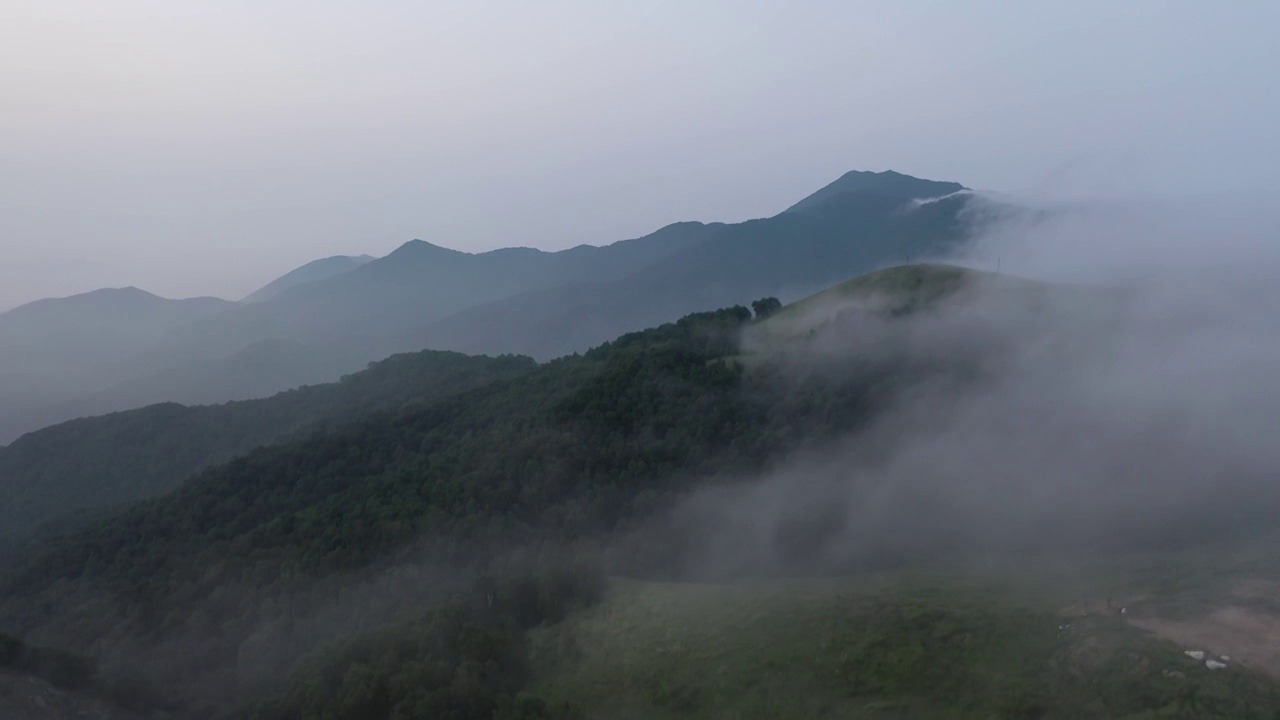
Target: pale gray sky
(206, 146)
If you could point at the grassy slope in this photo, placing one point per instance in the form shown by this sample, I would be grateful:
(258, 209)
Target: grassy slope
(897, 288)
(925, 281)
(882, 647)
(894, 289)
(906, 289)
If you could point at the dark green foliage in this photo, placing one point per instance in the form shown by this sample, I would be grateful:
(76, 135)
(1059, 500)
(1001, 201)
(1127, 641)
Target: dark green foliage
(561, 448)
(11, 650)
(579, 429)
(58, 667)
(466, 660)
(449, 664)
(499, 483)
(104, 462)
(764, 307)
(531, 707)
(575, 449)
(547, 596)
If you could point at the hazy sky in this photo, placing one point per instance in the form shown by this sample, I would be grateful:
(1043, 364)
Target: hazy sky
(204, 147)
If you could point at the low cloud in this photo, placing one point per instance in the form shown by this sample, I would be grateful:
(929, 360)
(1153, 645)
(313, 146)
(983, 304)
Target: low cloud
(1133, 399)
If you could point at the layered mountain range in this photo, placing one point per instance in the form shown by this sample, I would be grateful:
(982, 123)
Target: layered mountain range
(117, 349)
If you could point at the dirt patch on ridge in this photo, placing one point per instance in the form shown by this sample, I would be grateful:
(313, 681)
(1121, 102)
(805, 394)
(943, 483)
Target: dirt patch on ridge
(1245, 627)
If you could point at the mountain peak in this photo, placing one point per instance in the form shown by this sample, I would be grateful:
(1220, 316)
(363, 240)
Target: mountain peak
(131, 292)
(422, 248)
(313, 271)
(886, 183)
(411, 257)
(128, 294)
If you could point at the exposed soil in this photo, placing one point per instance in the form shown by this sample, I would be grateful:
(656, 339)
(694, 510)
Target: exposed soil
(1245, 627)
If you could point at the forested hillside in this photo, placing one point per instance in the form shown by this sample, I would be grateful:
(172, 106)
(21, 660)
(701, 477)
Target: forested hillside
(457, 554)
(256, 552)
(100, 463)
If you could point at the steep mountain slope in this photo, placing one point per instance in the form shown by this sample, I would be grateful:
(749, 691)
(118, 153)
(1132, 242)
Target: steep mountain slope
(573, 449)
(55, 351)
(788, 256)
(555, 451)
(416, 284)
(887, 184)
(38, 683)
(112, 321)
(99, 463)
(398, 535)
(313, 271)
(316, 331)
(511, 300)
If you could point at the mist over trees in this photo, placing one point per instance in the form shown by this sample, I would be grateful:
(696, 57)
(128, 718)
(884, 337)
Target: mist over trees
(92, 465)
(554, 454)
(764, 307)
(397, 544)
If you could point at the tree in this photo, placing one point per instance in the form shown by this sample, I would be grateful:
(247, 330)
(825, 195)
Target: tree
(764, 307)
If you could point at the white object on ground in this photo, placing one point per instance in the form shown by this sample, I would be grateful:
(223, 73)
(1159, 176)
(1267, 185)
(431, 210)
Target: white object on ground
(1214, 664)
(1195, 654)
(1224, 658)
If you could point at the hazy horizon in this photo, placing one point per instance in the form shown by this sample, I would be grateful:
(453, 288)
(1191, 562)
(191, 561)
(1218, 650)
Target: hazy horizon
(206, 148)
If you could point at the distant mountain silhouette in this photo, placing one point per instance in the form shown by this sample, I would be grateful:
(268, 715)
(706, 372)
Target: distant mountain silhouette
(322, 269)
(110, 312)
(97, 463)
(788, 256)
(417, 283)
(888, 184)
(335, 315)
(53, 351)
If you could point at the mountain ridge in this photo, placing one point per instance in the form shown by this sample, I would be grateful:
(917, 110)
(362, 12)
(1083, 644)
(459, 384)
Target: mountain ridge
(887, 182)
(510, 300)
(262, 559)
(314, 271)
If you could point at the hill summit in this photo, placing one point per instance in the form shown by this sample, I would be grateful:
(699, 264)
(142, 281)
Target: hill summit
(887, 183)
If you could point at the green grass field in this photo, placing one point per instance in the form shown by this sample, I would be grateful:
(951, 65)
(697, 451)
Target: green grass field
(885, 646)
